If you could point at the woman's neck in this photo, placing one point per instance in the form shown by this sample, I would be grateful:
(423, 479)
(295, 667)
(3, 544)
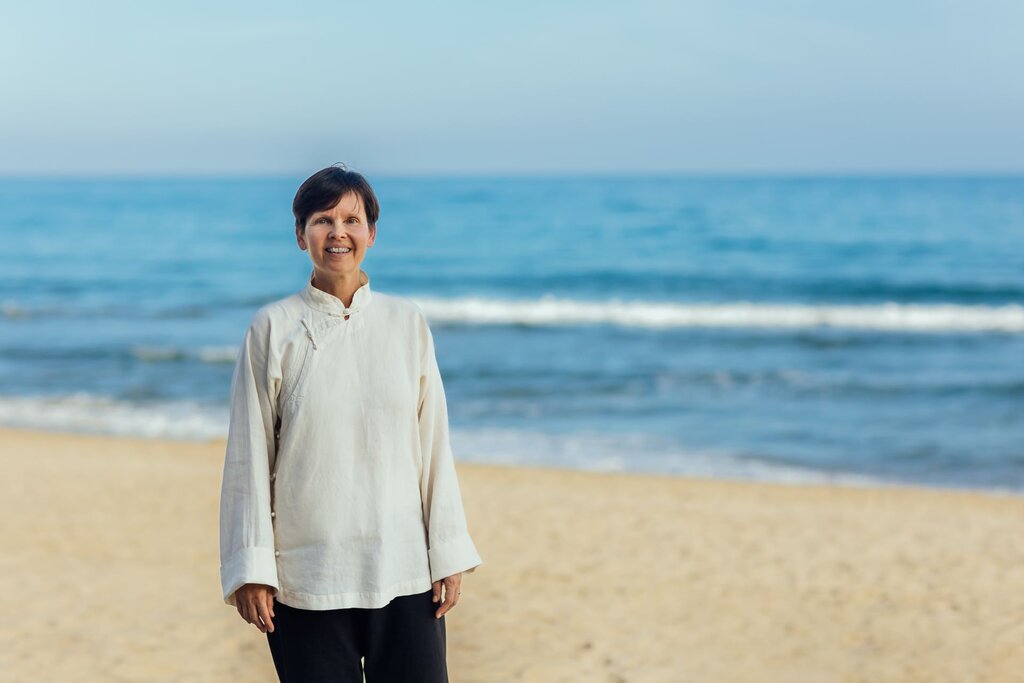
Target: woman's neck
(344, 286)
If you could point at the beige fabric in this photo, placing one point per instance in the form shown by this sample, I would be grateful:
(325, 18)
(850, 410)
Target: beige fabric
(339, 485)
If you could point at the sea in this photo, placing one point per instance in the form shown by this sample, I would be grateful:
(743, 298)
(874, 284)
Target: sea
(850, 330)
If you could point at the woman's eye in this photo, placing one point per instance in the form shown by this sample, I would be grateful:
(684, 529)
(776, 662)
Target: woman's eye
(321, 220)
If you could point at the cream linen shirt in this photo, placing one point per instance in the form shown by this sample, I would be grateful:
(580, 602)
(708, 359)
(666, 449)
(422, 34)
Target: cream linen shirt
(339, 486)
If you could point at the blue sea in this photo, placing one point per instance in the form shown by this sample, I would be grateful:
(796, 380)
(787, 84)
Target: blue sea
(848, 330)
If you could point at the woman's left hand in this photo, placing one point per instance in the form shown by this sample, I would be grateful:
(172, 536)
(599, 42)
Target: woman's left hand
(452, 590)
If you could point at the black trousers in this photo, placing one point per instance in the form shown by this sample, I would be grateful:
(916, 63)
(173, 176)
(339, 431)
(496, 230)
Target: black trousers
(401, 642)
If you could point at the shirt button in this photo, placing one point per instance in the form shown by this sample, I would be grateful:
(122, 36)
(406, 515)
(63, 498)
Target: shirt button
(273, 514)
(277, 553)
(274, 475)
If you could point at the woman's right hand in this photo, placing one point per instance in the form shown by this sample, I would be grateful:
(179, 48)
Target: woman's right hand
(255, 604)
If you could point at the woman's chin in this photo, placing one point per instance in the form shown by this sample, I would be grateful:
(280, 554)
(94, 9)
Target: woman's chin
(335, 267)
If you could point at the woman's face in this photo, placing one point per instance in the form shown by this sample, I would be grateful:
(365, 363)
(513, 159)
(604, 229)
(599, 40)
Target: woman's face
(342, 228)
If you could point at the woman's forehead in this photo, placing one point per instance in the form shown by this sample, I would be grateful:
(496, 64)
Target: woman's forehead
(350, 203)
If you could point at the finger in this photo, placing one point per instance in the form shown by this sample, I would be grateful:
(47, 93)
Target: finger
(446, 605)
(437, 591)
(440, 608)
(261, 604)
(249, 612)
(254, 612)
(270, 610)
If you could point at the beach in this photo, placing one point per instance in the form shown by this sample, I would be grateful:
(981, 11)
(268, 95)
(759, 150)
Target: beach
(111, 574)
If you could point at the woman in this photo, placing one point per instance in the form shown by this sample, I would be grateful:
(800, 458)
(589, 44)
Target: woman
(343, 534)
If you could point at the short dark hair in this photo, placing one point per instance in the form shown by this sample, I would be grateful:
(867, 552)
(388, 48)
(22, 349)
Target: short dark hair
(325, 188)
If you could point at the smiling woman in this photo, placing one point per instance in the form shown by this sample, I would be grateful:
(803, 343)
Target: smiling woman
(341, 517)
(336, 214)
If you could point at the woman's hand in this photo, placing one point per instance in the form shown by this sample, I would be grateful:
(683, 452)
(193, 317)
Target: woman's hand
(255, 603)
(452, 590)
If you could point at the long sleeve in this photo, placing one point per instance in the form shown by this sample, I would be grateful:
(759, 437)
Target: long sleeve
(449, 547)
(246, 529)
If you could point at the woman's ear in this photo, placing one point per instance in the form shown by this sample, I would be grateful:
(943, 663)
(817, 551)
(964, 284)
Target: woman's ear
(300, 237)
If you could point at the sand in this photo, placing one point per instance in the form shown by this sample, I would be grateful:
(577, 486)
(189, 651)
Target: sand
(110, 573)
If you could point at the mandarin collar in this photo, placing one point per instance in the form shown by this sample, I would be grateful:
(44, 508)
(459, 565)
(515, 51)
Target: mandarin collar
(332, 305)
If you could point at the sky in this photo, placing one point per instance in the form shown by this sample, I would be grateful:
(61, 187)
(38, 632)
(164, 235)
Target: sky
(459, 87)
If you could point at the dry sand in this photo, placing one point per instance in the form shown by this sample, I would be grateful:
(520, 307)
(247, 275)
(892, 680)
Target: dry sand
(110, 573)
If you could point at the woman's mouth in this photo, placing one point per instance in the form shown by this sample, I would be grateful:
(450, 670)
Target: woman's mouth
(338, 250)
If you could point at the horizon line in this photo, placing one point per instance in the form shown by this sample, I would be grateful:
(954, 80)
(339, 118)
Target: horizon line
(526, 174)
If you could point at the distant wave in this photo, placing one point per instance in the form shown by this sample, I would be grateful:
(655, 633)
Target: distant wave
(148, 354)
(206, 354)
(896, 317)
(797, 287)
(549, 310)
(822, 383)
(11, 309)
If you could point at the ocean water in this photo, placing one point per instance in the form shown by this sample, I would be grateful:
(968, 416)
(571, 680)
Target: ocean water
(790, 329)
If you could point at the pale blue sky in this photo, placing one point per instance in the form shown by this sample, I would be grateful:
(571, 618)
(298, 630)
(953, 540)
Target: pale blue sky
(465, 87)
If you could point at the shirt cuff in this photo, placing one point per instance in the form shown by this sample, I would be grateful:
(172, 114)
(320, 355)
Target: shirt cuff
(248, 565)
(453, 556)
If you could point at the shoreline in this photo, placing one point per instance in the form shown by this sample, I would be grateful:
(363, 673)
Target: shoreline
(111, 559)
(843, 480)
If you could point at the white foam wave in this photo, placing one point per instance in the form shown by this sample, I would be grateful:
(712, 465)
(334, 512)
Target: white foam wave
(653, 455)
(192, 421)
(188, 420)
(88, 413)
(625, 452)
(897, 317)
(551, 310)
